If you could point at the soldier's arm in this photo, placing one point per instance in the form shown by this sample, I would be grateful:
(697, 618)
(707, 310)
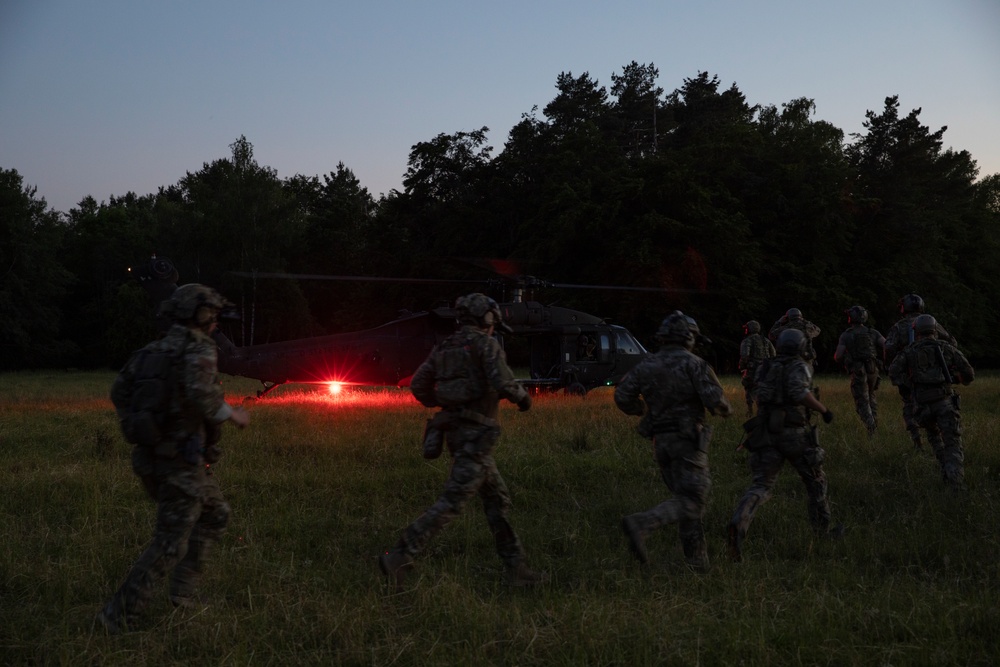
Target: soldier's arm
(422, 383)
(499, 374)
(961, 370)
(201, 381)
(712, 395)
(840, 354)
(627, 394)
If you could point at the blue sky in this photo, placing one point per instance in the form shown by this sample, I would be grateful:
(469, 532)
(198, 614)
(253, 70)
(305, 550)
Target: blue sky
(106, 97)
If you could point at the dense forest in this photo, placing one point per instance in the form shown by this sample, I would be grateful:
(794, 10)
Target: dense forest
(739, 212)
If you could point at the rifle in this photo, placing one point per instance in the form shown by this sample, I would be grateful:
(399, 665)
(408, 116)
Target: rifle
(944, 365)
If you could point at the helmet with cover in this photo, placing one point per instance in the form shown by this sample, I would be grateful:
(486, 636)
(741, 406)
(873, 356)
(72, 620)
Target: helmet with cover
(857, 315)
(925, 325)
(676, 328)
(911, 303)
(194, 303)
(481, 311)
(793, 314)
(751, 327)
(791, 341)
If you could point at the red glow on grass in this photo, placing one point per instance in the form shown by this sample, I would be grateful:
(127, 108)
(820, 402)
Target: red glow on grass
(334, 388)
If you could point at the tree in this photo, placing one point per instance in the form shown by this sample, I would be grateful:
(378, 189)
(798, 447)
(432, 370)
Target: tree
(32, 279)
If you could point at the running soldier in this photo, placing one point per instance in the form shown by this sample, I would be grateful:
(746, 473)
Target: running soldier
(678, 387)
(466, 375)
(754, 348)
(793, 319)
(860, 351)
(897, 339)
(175, 434)
(929, 368)
(785, 403)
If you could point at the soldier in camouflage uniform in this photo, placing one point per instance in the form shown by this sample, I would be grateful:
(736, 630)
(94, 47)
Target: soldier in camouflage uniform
(754, 348)
(911, 306)
(929, 368)
(191, 512)
(793, 319)
(467, 375)
(678, 386)
(785, 402)
(860, 351)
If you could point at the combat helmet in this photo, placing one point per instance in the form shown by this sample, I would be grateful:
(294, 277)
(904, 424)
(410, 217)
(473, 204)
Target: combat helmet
(857, 315)
(751, 327)
(676, 328)
(791, 341)
(793, 314)
(925, 325)
(194, 303)
(911, 303)
(481, 311)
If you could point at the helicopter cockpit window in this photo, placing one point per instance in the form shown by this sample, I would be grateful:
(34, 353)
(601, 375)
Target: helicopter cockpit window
(627, 344)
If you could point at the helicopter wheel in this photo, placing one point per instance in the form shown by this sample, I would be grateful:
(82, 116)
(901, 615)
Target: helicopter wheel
(575, 389)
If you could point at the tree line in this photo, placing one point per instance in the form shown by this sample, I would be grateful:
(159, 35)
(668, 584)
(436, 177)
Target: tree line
(739, 212)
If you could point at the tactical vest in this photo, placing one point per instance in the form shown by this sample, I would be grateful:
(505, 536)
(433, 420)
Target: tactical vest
(926, 364)
(458, 379)
(156, 380)
(756, 350)
(861, 346)
(771, 382)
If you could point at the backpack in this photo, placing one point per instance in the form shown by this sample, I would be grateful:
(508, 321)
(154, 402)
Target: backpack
(155, 379)
(457, 381)
(926, 365)
(770, 382)
(862, 347)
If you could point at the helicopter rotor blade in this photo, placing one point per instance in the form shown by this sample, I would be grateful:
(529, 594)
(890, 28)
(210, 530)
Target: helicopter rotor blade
(381, 279)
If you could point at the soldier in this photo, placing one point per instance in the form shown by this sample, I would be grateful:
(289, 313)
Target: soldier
(793, 319)
(754, 348)
(466, 375)
(896, 340)
(860, 351)
(191, 512)
(929, 368)
(785, 402)
(678, 387)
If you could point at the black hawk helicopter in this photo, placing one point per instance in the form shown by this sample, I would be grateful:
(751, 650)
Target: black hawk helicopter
(567, 349)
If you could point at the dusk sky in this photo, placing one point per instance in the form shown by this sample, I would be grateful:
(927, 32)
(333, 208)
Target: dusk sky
(108, 97)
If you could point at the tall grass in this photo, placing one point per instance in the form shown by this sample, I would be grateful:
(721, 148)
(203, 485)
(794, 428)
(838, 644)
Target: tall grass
(320, 485)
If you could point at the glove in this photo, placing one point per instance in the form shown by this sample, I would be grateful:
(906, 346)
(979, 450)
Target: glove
(828, 416)
(525, 403)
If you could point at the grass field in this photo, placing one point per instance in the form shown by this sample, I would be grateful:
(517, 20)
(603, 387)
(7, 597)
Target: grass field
(319, 486)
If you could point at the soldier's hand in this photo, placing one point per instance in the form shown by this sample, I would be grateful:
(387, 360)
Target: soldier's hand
(525, 403)
(240, 416)
(828, 416)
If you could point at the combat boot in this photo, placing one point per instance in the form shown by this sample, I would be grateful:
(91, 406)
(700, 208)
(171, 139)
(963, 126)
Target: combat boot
(112, 622)
(520, 575)
(636, 539)
(394, 565)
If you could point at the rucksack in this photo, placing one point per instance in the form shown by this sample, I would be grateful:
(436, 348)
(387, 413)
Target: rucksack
(770, 382)
(862, 346)
(927, 365)
(457, 382)
(155, 379)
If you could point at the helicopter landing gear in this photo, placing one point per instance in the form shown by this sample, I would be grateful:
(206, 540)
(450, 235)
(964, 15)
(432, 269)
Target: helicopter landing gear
(575, 389)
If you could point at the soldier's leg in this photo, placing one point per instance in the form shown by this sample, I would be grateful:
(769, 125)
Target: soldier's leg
(765, 464)
(466, 476)
(809, 465)
(952, 456)
(873, 383)
(207, 531)
(177, 512)
(497, 504)
(909, 421)
(694, 484)
(862, 405)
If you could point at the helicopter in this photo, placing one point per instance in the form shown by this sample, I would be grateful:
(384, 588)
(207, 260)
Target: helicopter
(566, 349)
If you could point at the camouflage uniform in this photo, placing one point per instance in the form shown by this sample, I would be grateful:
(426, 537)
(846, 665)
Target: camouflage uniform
(754, 349)
(793, 319)
(471, 431)
(677, 387)
(928, 369)
(783, 382)
(860, 350)
(191, 511)
(896, 340)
